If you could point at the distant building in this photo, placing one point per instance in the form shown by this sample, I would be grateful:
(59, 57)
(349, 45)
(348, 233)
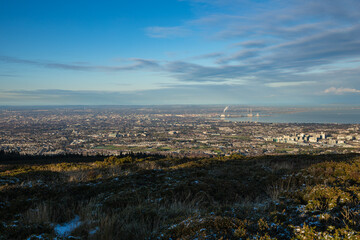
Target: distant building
(173, 132)
(323, 135)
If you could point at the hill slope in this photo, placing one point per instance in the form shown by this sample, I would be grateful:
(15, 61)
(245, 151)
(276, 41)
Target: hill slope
(269, 197)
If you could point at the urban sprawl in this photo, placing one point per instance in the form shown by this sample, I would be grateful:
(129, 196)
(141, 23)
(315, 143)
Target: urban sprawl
(176, 131)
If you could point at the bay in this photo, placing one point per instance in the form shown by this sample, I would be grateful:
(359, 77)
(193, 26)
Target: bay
(340, 116)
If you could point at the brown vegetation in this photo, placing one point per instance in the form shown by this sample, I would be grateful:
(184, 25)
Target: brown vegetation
(148, 197)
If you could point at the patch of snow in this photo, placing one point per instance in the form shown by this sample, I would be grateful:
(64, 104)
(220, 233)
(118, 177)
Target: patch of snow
(273, 225)
(26, 184)
(316, 223)
(35, 237)
(65, 229)
(173, 226)
(300, 208)
(93, 231)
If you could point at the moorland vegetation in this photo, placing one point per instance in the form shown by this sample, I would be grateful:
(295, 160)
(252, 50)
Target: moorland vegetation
(156, 197)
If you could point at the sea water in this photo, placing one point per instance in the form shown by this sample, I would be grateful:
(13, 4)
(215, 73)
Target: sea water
(341, 116)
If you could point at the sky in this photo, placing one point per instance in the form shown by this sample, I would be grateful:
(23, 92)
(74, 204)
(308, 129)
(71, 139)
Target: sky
(140, 52)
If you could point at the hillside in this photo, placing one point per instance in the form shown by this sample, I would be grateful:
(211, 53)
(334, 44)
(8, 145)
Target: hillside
(153, 197)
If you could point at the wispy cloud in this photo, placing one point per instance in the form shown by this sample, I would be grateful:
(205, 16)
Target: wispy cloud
(251, 44)
(167, 32)
(190, 72)
(288, 84)
(340, 91)
(240, 56)
(209, 55)
(288, 59)
(8, 75)
(137, 63)
(175, 94)
(281, 43)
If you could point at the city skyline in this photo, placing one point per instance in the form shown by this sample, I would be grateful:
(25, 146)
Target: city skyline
(180, 52)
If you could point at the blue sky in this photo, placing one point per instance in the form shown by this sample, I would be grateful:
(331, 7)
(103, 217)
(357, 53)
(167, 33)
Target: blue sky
(281, 52)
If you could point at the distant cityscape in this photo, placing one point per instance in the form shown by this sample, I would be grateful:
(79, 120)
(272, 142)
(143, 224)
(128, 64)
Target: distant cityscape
(181, 131)
(345, 138)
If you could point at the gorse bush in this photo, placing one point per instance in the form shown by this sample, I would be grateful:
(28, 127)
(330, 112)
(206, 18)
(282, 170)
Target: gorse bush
(118, 161)
(322, 197)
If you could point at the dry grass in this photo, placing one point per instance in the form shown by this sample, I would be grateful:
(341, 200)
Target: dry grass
(179, 198)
